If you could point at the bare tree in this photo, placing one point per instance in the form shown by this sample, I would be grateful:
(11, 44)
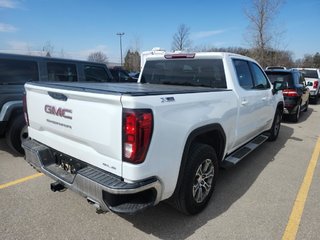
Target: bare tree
(135, 44)
(98, 57)
(62, 53)
(261, 15)
(47, 49)
(316, 60)
(181, 40)
(309, 60)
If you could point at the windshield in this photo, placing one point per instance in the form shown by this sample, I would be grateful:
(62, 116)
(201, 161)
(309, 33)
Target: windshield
(310, 73)
(191, 72)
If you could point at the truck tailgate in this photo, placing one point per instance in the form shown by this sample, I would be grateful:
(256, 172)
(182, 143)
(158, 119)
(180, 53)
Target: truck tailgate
(84, 125)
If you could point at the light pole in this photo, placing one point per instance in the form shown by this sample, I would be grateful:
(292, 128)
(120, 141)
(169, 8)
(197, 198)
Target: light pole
(120, 34)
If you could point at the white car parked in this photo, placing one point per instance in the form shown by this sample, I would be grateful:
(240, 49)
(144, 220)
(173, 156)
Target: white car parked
(312, 77)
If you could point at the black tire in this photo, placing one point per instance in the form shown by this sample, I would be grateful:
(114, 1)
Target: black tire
(306, 106)
(316, 98)
(296, 116)
(16, 133)
(274, 131)
(198, 181)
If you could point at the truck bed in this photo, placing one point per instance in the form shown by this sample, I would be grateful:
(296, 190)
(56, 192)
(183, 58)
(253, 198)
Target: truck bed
(132, 89)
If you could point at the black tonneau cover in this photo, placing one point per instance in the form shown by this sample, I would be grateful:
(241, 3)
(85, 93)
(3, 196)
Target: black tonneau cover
(133, 89)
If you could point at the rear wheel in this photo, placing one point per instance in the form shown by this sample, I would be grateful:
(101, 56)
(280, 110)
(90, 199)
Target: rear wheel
(199, 179)
(16, 133)
(316, 98)
(296, 116)
(306, 106)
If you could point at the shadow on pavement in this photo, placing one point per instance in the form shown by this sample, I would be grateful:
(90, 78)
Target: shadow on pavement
(165, 222)
(303, 116)
(4, 147)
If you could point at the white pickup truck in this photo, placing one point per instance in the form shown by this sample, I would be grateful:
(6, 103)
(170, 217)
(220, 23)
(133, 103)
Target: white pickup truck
(128, 146)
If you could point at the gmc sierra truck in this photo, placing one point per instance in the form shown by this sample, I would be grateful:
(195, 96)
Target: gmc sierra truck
(126, 147)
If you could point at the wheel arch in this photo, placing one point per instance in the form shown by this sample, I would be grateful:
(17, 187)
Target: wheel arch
(11, 110)
(212, 135)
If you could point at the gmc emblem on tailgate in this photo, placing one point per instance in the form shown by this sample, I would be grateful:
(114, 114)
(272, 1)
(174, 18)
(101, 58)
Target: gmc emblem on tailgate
(61, 112)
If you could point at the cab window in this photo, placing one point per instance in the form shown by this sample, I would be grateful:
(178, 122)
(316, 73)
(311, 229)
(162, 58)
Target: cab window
(243, 73)
(18, 71)
(260, 79)
(62, 72)
(96, 74)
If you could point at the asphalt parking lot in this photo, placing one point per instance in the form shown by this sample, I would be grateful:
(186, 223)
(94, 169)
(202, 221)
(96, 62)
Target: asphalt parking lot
(272, 194)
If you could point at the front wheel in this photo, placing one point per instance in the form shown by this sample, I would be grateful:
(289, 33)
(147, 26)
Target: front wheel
(198, 180)
(274, 131)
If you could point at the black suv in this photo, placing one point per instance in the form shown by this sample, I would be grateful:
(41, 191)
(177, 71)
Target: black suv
(16, 70)
(296, 93)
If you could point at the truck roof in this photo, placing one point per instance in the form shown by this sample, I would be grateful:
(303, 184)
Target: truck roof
(51, 59)
(198, 55)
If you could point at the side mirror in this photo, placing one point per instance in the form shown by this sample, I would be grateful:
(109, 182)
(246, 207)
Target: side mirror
(279, 86)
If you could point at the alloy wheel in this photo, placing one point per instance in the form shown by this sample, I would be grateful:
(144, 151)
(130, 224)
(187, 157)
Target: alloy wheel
(202, 183)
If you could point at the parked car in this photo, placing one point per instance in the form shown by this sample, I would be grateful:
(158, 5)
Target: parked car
(16, 70)
(135, 75)
(296, 93)
(121, 75)
(312, 77)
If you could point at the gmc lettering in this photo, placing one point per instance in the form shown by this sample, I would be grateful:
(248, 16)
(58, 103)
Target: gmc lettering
(61, 112)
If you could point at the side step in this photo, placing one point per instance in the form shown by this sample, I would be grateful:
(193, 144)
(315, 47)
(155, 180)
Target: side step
(242, 152)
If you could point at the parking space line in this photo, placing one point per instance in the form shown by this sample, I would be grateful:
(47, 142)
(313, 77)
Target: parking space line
(297, 210)
(20, 180)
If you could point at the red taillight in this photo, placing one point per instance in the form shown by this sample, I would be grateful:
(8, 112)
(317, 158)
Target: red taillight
(137, 132)
(290, 93)
(315, 84)
(25, 110)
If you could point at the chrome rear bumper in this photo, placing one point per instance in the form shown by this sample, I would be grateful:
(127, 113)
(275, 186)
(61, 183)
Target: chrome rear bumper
(107, 191)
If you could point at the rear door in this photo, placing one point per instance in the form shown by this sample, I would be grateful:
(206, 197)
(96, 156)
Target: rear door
(264, 96)
(81, 124)
(255, 101)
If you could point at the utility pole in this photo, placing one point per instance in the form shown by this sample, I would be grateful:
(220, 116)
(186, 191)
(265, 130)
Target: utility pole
(120, 34)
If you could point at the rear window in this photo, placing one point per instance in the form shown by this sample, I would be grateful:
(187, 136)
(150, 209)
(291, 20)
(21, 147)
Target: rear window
(282, 77)
(310, 73)
(191, 72)
(17, 71)
(62, 72)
